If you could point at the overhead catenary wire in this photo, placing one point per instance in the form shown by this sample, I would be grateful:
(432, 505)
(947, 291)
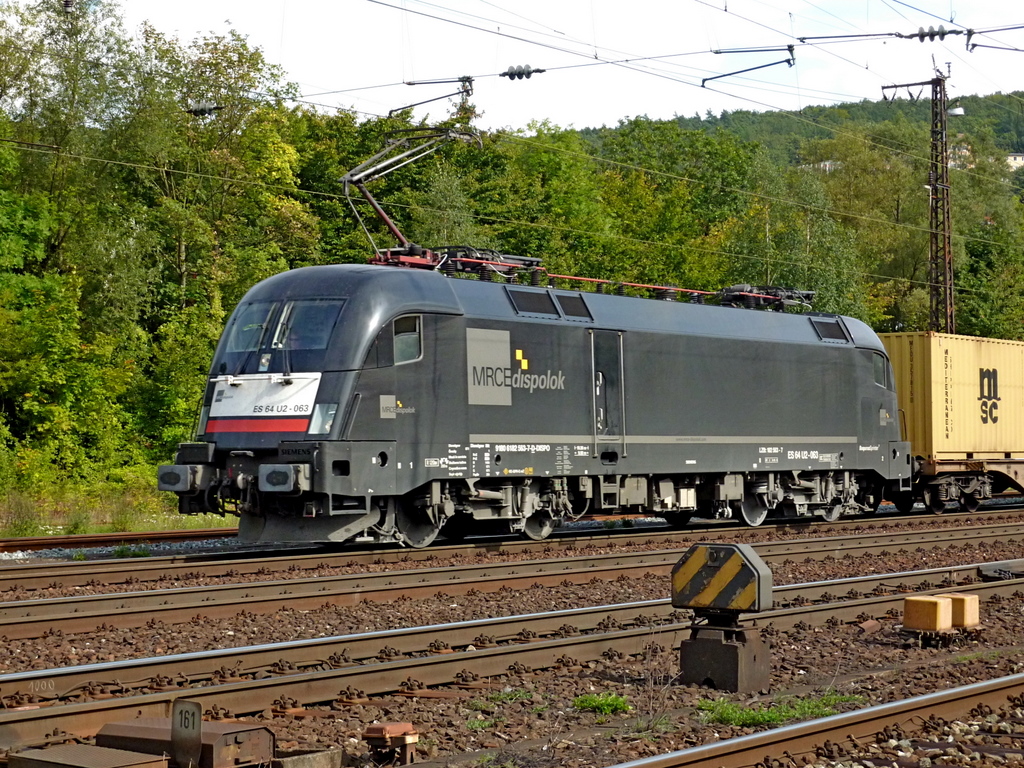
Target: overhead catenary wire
(292, 189)
(581, 66)
(797, 204)
(664, 75)
(743, 98)
(632, 59)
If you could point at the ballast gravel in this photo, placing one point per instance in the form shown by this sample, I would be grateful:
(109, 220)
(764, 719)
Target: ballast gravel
(531, 720)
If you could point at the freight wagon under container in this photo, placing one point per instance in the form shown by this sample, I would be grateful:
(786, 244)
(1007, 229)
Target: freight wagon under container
(961, 402)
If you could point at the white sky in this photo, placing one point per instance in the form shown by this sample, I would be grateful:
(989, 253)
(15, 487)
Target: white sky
(343, 45)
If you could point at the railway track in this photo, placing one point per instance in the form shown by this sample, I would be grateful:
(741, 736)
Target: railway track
(846, 732)
(82, 540)
(129, 538)
(35, 618)
(338, 674)
(41, 576)
(351, 667)
(842, 600)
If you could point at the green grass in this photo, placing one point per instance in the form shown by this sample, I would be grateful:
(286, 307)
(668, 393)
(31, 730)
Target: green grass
(653, 724)
(602, 703)
(500, 761)
(127, 503)
(785, 710)
(132, 550)
(979, 656)
(479, 725)
(508, 697)
(21, 516)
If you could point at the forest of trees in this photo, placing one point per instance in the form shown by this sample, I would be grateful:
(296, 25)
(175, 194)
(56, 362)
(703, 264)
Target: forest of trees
(130, 226)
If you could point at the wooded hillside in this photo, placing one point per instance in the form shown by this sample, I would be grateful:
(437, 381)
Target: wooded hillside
(131, 221)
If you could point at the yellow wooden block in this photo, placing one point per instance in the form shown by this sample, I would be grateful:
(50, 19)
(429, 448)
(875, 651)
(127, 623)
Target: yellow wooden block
(928, 613)
(966, 610)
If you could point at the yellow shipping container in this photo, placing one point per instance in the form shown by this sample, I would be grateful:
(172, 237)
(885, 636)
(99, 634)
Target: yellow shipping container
(961, 397)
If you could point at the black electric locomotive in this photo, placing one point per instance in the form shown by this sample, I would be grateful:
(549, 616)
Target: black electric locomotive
(352, 401)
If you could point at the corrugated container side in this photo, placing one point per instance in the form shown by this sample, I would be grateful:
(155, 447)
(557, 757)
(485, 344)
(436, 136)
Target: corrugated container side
(910, 364)
(962, 396)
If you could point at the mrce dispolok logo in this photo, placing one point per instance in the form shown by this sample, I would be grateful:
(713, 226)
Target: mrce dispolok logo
(493, 371)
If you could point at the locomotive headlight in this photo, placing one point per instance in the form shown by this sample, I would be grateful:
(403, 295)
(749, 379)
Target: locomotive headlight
(174, 477)
(278, 478)
(285, 478)
(184, 478)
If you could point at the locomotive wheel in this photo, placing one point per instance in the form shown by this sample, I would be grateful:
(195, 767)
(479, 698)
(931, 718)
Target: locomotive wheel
(538, 526)
(903, 501)
(752, 512)
(416, 525)
(831, 514)
(677, 520)
(969, 502)
(457, 527)
(933, 501)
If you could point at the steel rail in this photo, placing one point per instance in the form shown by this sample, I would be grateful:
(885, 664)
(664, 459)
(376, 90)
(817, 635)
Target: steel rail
(37, 725)
(140, 570)
(368, 648)
(700, 527)
(80, 540)
(799, 739)
(34, 618)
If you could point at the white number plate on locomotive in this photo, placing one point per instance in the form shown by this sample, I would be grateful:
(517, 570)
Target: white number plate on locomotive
(264, 395)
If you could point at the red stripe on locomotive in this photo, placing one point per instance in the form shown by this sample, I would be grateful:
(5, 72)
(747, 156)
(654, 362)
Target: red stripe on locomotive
(257, 425)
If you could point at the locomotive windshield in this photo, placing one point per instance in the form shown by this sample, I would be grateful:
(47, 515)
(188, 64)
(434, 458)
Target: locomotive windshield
(279, 337)
(249, 327)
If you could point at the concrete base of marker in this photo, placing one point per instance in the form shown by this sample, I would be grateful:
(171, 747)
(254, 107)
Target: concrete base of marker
(727, 658)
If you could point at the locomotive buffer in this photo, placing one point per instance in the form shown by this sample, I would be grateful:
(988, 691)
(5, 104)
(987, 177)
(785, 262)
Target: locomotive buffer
(718, 582)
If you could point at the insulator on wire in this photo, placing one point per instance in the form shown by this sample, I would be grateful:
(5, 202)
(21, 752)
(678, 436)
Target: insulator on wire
(69, 6)
(202, 108)
(519, 72)
(932, 33)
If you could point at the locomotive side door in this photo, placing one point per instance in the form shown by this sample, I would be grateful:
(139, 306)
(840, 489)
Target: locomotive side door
(608, 390)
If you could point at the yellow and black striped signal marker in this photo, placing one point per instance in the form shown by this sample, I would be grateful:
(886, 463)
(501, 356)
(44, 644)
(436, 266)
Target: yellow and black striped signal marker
(722, 577)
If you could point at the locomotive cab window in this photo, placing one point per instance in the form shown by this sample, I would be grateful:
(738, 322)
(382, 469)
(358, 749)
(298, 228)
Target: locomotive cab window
(306, 325)
(279, 337)
(249, 326)
(882, 371)
(408, 339)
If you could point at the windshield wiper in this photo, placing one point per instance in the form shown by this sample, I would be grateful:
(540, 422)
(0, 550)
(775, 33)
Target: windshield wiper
(240, 369)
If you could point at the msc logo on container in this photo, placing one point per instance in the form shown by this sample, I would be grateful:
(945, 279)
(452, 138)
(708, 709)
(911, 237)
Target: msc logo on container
(988, 394)
(491, 375)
